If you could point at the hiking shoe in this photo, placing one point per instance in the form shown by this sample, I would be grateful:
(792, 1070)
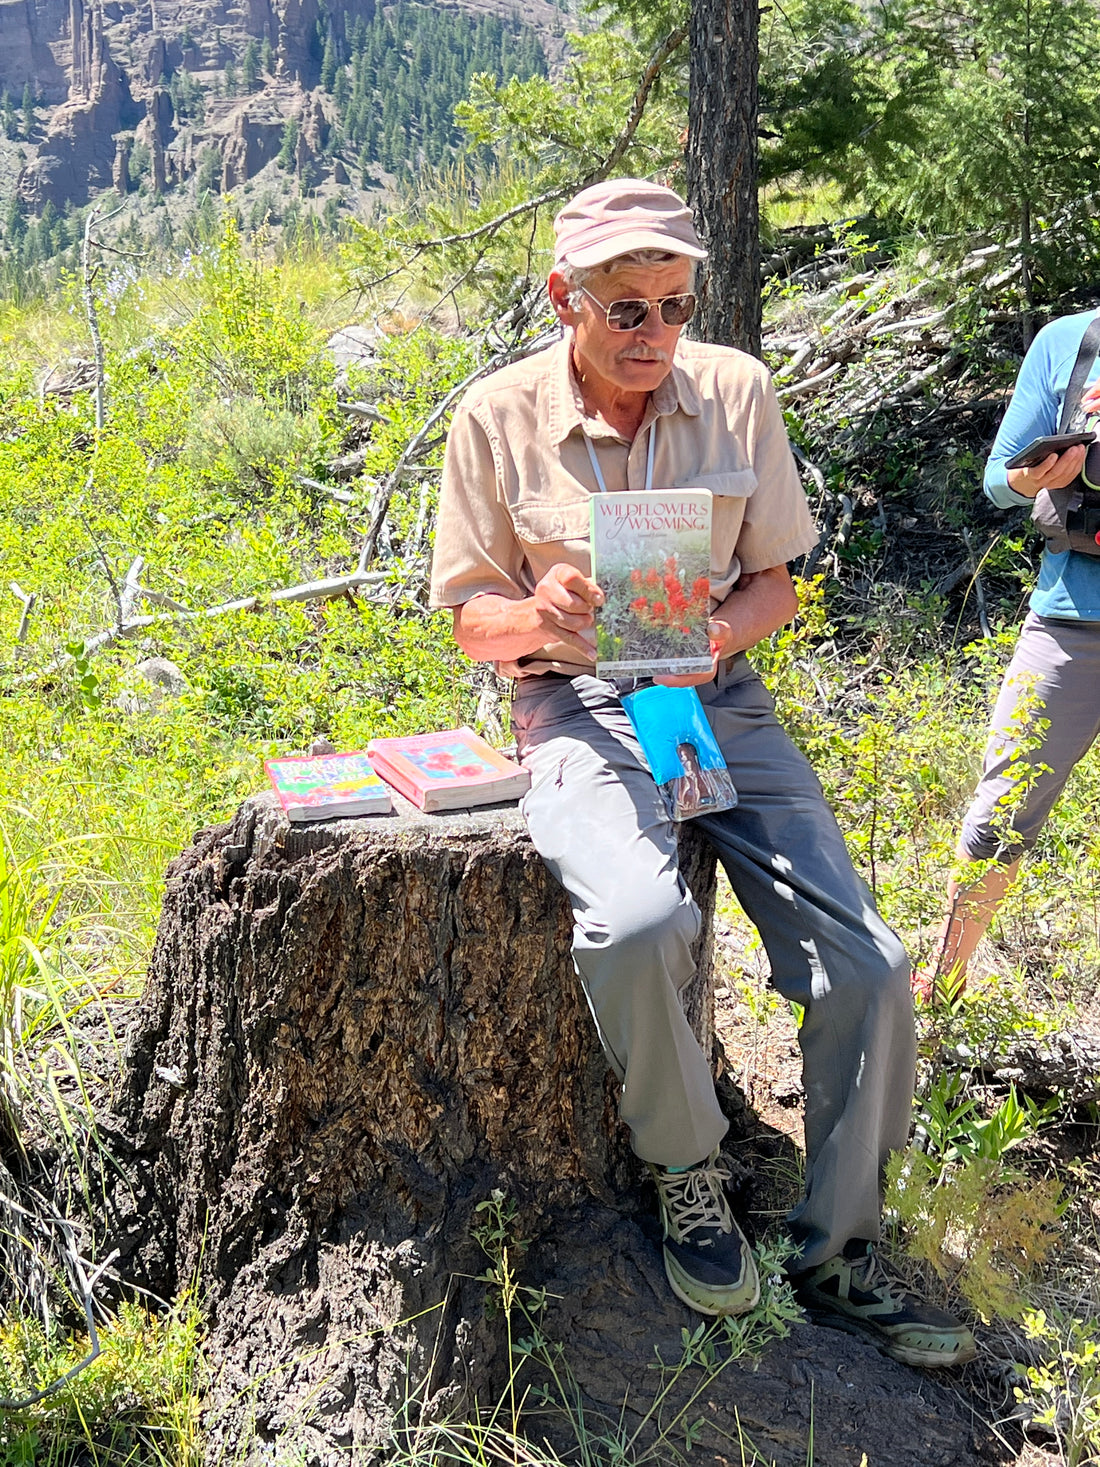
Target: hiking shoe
(850, 1292)
(708, 1262)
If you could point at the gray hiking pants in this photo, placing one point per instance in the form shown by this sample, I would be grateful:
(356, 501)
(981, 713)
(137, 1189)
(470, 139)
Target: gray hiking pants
(598, 821)
(1054, 675)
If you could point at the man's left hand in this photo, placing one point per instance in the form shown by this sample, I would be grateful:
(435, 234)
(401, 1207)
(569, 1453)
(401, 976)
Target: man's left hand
(720, 635)
(758, 605)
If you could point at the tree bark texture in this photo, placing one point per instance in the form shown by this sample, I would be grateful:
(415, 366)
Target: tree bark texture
(352, 1033)
(722, 167)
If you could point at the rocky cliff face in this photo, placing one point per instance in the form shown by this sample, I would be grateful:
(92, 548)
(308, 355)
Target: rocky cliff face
(102, 68)
(27, 29)
(79, 151)
(254, 139)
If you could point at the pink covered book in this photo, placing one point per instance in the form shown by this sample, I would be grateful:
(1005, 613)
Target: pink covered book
(449, 770)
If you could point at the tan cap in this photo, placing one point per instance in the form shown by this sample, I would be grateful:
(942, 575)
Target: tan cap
(623, 214)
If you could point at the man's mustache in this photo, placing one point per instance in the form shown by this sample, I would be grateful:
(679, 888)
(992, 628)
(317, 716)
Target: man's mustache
(641, 353)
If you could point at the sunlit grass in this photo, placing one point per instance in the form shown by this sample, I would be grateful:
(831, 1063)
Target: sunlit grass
(138, 1401)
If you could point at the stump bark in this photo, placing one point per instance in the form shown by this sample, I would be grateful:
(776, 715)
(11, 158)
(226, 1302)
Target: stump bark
(352, 1034)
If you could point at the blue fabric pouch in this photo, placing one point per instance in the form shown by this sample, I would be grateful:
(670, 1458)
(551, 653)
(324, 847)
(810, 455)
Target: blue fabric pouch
(681, 751)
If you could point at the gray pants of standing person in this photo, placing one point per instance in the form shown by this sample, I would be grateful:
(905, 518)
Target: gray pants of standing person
(1053, 677)
(600, 824)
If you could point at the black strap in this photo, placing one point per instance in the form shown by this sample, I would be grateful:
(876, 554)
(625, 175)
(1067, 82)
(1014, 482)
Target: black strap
(1086, 355)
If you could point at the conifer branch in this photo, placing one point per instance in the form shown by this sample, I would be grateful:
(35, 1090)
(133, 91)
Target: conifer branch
(663, 53)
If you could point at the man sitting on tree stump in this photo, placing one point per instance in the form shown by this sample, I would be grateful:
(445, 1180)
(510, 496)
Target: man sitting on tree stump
(622, 403)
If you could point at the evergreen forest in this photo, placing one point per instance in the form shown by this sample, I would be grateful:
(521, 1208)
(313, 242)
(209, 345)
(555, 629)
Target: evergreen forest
(221, 433)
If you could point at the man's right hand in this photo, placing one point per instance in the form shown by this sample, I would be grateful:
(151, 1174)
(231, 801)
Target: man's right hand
(565, 602)
(561, 609)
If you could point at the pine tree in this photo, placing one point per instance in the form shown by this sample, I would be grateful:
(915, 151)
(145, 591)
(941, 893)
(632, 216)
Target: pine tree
(208, 179)
(1008, 144)
(289, 144)
(29, 119)
(329, 63)
(250, 65)
(230, 79)
(7, 116)
(51, 231)
(15, 224)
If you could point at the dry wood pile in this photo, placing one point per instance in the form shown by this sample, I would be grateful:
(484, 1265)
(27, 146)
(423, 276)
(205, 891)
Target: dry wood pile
(864, 343)
(894, 377)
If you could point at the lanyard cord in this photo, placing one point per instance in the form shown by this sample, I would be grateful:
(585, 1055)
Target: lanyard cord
(648, 459)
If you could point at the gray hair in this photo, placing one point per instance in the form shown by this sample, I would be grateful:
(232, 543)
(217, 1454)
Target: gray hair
(577, 275)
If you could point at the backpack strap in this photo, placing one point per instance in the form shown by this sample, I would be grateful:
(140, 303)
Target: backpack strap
(1086, 355)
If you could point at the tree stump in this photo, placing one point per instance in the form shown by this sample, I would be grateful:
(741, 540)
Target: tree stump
(352, 1033)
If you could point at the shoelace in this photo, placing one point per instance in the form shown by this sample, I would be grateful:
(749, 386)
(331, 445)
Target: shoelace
(696, 1199)
(869, 1278)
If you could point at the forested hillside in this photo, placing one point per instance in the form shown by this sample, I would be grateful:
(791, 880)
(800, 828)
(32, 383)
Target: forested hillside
(222, 422)
(335, 108)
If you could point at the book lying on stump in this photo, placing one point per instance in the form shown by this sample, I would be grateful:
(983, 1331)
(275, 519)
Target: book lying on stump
(651, 559)
(448, 770)
(327, 786)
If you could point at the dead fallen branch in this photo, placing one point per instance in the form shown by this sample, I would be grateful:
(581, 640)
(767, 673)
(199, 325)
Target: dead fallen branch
(330, 587)
(364, 410)
(808, 384)
(342, 496)
(28, 599)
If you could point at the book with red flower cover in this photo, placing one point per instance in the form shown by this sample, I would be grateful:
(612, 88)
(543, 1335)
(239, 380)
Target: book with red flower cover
(326, 786)
(448, 770)
(651, 559)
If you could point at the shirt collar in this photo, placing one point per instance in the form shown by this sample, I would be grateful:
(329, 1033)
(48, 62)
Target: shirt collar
(676, 393)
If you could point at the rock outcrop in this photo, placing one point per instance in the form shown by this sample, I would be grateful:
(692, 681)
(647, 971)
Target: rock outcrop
(78, 152)
(98, 68)
(120, 172)
(297, 53)
(25, 54)
(253, 141)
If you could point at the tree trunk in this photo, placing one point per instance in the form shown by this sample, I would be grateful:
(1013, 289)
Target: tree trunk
(722, 167)
(353, 1033)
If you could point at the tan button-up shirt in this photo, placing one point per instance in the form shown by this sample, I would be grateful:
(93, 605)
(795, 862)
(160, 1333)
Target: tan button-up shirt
(517, 477)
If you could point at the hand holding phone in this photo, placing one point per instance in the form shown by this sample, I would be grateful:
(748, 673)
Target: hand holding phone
(1042, 448)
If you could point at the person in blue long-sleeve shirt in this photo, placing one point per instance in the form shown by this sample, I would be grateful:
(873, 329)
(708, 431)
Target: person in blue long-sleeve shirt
(1047, 714)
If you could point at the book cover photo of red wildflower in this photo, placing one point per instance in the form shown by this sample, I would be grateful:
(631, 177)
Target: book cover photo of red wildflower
(451, 769)
(651, 559)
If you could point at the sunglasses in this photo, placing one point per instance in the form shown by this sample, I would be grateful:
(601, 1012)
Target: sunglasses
(628, 315)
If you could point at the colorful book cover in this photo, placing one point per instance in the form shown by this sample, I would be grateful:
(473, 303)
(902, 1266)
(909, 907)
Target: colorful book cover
(326, 786)
(448, 770)
(651, 559)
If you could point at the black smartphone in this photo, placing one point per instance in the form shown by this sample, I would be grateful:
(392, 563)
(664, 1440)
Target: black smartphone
(1040, 448)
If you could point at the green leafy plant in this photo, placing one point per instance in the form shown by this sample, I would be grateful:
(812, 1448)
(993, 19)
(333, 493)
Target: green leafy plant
(950, 1128)
(1064, 1388)
(984, 1235)
(139, 1400)
(85, 682)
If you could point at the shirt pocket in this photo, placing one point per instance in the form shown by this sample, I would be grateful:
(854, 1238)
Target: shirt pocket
(732, 483)
(545, 524)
